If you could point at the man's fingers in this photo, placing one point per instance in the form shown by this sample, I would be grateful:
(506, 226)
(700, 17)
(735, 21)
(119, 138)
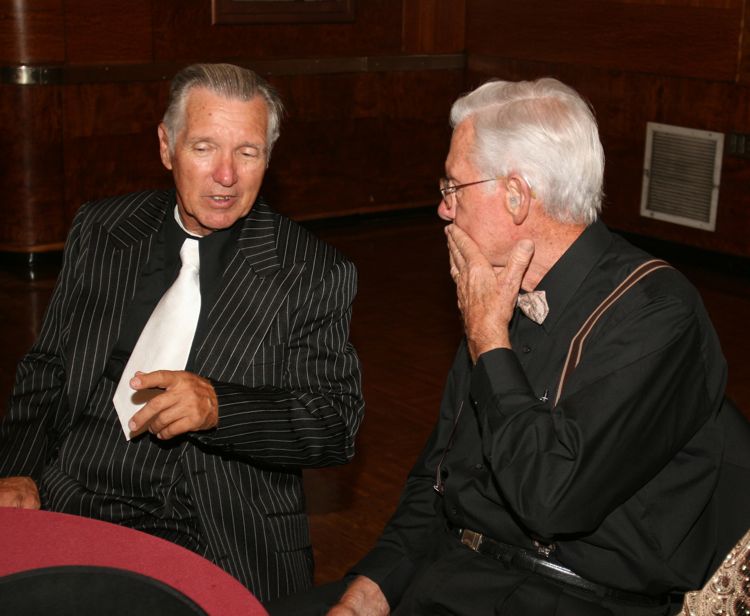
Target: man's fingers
(158, 379)
(464, 253)
(142, 419)
(168, 412)
(187, 403)
(341, 610)
(458, 259)
(454, 256)
(518, 262)
(461, 243)
(149, 380)
(173, 428)
(19, 492)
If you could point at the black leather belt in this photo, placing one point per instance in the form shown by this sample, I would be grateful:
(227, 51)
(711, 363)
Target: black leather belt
(541, 565)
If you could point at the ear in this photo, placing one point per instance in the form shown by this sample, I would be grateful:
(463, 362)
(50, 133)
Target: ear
(517, 198)
(166, 157)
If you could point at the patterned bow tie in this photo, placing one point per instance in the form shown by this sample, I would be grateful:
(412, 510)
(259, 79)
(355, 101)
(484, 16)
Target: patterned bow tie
(534, 305)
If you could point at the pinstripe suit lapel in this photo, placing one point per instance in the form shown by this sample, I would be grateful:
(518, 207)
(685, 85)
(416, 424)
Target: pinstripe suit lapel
(144, 222)
(119, 248)
(256, 282)
(259, 239)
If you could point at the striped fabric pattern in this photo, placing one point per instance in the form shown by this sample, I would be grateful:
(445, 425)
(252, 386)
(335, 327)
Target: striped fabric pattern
(276, 349)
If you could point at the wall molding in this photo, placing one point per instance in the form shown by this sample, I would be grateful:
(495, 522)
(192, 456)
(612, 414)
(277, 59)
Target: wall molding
(51, 74)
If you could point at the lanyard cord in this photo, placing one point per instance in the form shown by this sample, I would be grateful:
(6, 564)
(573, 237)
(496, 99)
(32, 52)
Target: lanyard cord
(439, 487)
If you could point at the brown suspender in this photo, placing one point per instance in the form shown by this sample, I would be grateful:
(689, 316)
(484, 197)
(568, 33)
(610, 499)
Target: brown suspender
(576, 345)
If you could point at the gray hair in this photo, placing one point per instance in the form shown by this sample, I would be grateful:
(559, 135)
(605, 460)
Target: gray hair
(544, 131)
(226, 80)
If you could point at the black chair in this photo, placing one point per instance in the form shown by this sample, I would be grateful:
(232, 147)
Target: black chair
(90, 591)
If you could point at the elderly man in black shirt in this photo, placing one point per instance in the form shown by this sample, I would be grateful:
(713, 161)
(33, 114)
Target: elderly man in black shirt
(554, 482)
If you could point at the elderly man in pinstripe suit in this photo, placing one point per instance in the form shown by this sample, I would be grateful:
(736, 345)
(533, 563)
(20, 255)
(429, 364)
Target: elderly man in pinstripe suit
(271, 384)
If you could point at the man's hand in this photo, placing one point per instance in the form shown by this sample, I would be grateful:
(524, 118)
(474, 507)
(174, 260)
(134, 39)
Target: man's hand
(19, 492)
(362, 598)
(188, 403)
(487, 295)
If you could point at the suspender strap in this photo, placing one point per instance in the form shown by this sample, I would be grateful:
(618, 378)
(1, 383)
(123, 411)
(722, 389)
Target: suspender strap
(576, 345)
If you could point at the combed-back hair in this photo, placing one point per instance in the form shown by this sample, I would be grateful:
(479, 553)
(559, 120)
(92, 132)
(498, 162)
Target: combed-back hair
(229, 81)
(544, 131)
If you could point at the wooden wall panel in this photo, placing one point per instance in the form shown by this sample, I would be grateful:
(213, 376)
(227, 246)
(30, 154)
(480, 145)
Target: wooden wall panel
(434, 26)
(183, 32)
(32, 32)
(108, 31)
(700, 41)
(110, 143)
(389, 155)
(31, 167)
(368, 101)
(743, 69)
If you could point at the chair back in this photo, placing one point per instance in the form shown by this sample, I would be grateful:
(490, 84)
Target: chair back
(732, 495)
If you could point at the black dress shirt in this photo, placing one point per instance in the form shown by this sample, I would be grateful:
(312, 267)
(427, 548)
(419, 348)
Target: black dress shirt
(618, 474)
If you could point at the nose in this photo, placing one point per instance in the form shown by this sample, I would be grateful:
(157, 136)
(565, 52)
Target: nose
(225, 170)
(445, 211)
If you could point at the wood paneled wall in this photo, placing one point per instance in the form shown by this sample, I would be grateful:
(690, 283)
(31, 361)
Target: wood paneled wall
(367, 100)
(85, 84)
(679, 62)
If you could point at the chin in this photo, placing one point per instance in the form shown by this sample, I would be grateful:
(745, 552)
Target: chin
(217, 220)
(217, 224)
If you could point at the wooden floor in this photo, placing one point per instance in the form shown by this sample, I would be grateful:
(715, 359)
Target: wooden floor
(405, 328)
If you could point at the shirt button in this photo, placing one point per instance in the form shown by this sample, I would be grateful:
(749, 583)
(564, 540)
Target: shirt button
(526, 348)
(479, 467)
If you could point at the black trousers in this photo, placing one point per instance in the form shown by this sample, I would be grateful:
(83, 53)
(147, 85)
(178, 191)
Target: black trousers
(456, 581)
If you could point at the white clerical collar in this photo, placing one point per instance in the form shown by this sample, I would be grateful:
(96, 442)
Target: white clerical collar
(182, 226)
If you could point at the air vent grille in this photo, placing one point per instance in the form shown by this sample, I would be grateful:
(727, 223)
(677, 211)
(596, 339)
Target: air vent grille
(681, 173)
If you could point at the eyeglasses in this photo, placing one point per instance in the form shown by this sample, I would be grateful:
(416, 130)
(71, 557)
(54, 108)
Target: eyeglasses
(448, 190)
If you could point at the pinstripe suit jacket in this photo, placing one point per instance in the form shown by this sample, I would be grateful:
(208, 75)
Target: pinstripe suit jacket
(276, 349)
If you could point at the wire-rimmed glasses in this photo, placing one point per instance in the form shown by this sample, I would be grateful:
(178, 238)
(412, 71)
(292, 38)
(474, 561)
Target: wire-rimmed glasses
(448, 190)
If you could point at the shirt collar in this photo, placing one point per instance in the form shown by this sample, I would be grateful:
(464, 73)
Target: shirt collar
(181, 224)
(216, 248)
(565, 277)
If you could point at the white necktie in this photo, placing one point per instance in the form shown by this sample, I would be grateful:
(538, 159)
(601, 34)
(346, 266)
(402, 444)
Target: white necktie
(165, 342)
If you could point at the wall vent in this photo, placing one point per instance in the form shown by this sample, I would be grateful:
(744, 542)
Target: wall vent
(681, 173)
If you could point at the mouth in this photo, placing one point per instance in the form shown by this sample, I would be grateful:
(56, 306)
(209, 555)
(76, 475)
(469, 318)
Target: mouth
(221, 201)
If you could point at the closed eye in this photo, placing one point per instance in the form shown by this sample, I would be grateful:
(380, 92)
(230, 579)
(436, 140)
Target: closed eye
(202, 147)
(250, 152)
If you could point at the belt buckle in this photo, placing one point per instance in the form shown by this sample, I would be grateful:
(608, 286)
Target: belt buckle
(544, 549)
(471, 539)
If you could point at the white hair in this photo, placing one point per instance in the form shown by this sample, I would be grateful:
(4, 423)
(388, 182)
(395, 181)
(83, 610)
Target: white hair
(544, 131)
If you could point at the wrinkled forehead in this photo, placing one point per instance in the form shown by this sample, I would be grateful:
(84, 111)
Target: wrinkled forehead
(460, 160)
(206, 109)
